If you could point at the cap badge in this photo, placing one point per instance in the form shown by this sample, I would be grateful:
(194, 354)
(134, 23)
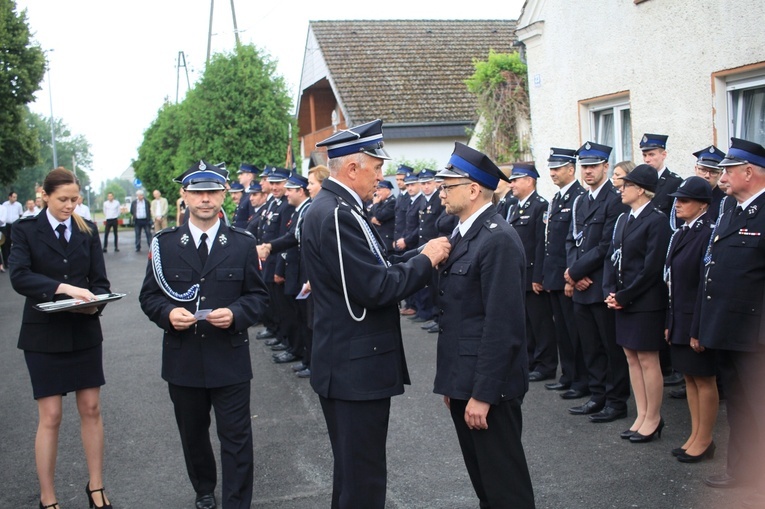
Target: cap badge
(645, 139)
(202, 166)
(587, 146)
(184, 239)
(552, 152)
(711, 150)
(222, 239)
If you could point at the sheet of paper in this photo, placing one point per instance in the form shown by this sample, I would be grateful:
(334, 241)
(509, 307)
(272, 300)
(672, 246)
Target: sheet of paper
(201, 314)
(304, 292)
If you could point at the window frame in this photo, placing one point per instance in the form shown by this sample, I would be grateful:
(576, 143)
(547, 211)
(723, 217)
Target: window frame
(617, 103)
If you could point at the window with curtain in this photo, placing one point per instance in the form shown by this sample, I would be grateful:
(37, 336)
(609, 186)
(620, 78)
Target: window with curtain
(746, 108)
(610, 125)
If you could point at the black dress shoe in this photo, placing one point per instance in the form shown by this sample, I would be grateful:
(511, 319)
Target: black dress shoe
(674, 378)
(435, 329)
(536, 376)
(279, 347)
(721, 481)
(708, 454)
(638, 438)
(206, 501)
(609, 414)
(626, 434)
(272, 341)
(574, 394)
(265, 334)
(679, 393)
(677, 451)
(306, 373)
(590, 407)
(298, 367)
(557, 386)
(285, 357)
(427, 325)
(418, 319)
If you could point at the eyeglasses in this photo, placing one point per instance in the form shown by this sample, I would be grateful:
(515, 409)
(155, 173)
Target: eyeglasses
(708, 171)
(445, 189)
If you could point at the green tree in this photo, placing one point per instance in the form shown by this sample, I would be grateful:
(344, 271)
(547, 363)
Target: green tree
(238, 112)
(69, 148)
(22, 66)
(501, 86)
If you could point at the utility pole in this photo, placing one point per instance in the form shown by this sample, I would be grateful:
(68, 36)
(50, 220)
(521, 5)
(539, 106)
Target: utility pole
(181, 63)
(236, 30)
(209, 31)
(52, 120)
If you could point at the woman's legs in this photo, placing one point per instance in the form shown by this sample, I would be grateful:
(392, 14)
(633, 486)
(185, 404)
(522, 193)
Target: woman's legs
(708, 404)
(638, 387)
(692, 391)
(654, 390)
(92, 431)
(46, 445)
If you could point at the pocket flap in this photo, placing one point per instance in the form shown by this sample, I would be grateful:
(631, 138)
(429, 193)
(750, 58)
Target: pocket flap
(374, 344)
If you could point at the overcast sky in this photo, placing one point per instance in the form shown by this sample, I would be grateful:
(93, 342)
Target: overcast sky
(113, 64)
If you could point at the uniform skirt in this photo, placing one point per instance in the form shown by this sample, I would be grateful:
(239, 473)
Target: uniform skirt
(59, 373)
(642, 331)
(689, 362)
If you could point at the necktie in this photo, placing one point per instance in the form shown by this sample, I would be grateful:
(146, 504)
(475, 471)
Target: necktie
(202, 249)
(739, 210)
(61, 229)
(456, 237)
(630, 220)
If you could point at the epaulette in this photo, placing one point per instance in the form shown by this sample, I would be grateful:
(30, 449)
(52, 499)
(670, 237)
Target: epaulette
(27, 218)
(240, 231)
(491, 225)
(541, 199)
(164, 231)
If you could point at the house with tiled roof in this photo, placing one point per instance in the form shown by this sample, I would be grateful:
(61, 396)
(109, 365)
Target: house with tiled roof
(409, 73)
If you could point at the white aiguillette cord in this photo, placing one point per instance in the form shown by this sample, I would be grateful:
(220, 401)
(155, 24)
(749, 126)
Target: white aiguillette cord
(373, 246)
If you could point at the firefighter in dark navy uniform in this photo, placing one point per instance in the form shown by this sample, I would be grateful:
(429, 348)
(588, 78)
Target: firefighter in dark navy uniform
(203, 288)
(357, 362)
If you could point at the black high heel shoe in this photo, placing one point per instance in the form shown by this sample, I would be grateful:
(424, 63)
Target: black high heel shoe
(54, 504)
(709, 453)
(677, 451)
(90, 498)
(637, 438)
(626, 434)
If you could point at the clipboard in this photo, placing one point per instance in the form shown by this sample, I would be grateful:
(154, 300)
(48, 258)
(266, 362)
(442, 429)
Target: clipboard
(70, 304)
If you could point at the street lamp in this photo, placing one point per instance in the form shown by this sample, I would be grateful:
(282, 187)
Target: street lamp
(52, 121)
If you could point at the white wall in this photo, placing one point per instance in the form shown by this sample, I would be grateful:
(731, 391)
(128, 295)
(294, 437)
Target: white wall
(663, 52)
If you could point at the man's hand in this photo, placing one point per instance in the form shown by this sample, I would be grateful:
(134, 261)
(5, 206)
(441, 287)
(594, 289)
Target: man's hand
(222, 318)
(448, 402)
(537, 287)
(437, 250)
(375, 221)
(181, 319)
(611, 302)
(568, 290)
(476, 413)
(263, 251)
(583, 284)
(400, 244)
(279, 280)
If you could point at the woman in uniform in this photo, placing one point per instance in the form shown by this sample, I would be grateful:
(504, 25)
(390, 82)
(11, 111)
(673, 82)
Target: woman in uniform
(682, 272)
(57, 255)
(633, 287)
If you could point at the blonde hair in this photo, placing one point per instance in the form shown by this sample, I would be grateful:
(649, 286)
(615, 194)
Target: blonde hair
(62, 177)
(320, 172)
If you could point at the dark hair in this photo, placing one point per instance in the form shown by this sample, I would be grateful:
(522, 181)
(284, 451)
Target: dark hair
(57, 178)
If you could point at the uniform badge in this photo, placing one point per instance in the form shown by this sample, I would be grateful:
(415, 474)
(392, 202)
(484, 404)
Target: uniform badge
(222, 239)
(565, 198)
(751, 210)
(493, 225)
(184, 239)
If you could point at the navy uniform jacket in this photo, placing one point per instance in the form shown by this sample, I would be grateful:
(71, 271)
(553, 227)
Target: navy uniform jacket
(244, 212)
(505, 203)
(412, 230)
(254, 225)
(288, 247)
(204, 355)
(685, 264)
(557, 228)
(668, 183)
(482, 340)
(733, 290)
(38, 265)
(385, 212)
(719, 199)
(430, 212)
(595, 221)
(355, 360)
(274, 225)
(529, 223)
(639, 285)
(402, 206)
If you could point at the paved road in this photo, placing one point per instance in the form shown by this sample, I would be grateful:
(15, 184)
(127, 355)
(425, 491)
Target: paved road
(574, 463)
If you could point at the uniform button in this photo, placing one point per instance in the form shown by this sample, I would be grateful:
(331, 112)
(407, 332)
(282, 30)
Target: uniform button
(203, 299)
(202, 280)
(203, 335)
(709, 297)
(230, 275)
(66, 261)
(441, 292)
(374, 348)
(440, 329)
(177, 276)
(66, 277)
(441, 312)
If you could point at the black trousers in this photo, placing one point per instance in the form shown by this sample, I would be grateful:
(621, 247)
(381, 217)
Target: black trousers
(573, 369)
(743, 377)
(5, 250)
(281, 314)
(540, 334)
(358, 431)
(494, 457)
(111, 224)
(142, 225)
(232, 421)
(605, 360)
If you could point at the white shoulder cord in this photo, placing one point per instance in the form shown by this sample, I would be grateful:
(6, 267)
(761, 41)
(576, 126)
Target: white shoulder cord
(373, 246)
